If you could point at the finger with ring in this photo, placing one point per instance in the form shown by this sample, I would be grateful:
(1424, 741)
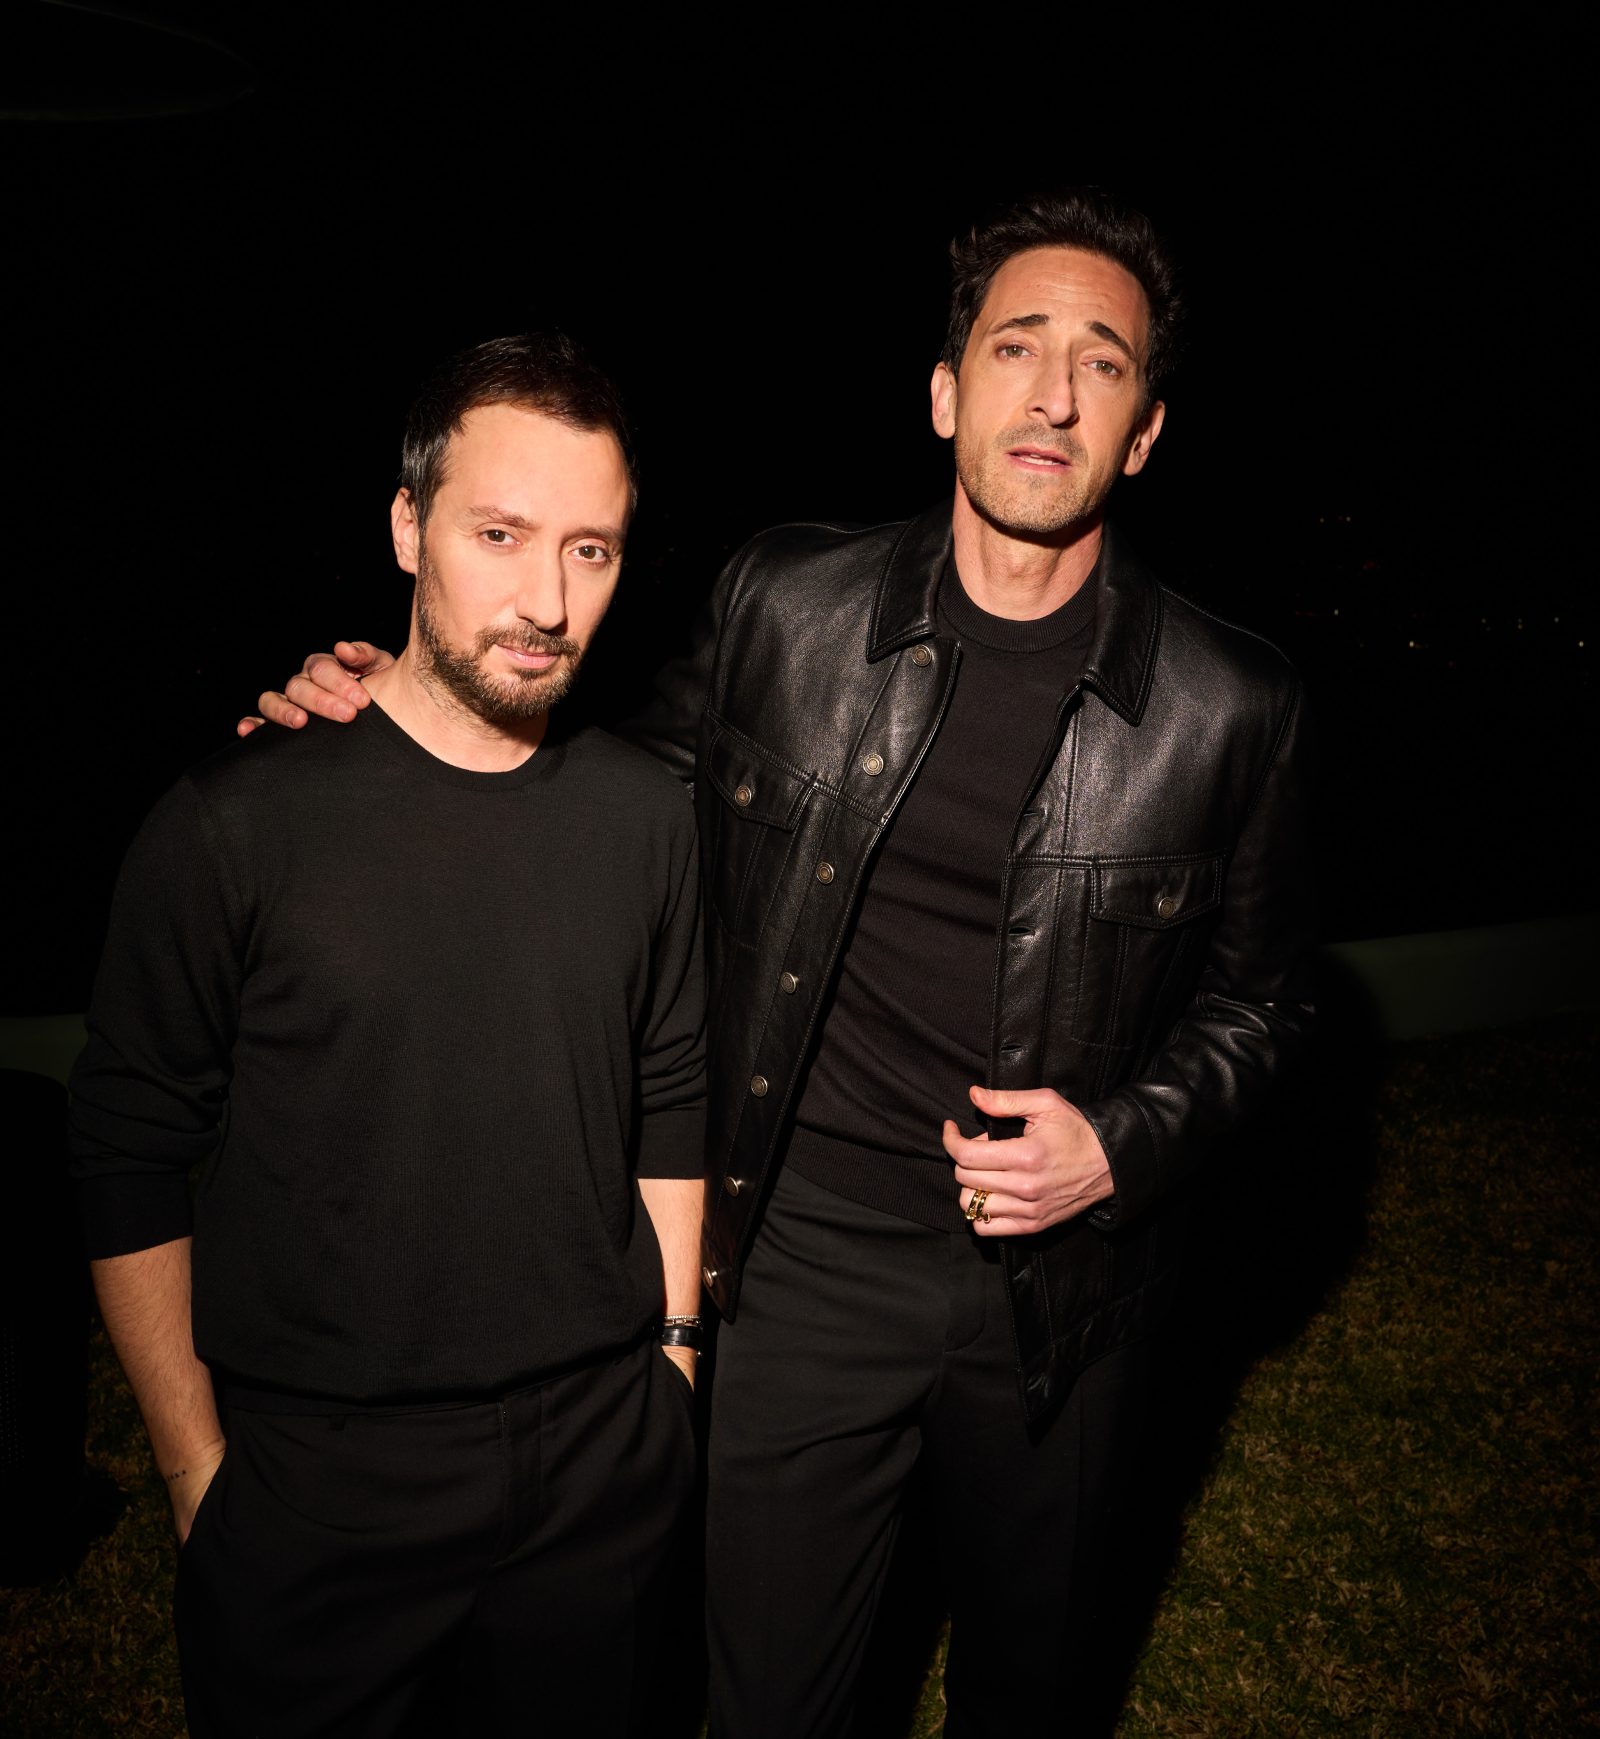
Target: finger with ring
(977, 1208)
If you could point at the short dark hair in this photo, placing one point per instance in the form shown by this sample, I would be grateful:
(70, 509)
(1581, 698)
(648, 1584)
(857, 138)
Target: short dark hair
(538, 371)
(1075, 217)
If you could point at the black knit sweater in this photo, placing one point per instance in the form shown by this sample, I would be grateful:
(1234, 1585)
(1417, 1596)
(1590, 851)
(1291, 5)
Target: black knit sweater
(421, 1028)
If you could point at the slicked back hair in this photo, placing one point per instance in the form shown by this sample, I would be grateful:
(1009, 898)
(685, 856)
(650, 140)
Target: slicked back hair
(536, 371)
(1075, 217)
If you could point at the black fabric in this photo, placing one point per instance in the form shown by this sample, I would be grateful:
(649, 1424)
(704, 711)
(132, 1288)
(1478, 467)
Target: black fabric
(498, 1568)
(421, 1026)
(865, 1342)
(908, 1029)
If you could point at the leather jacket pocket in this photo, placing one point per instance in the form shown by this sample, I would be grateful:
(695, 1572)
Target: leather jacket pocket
(750, 830)
(1144, 943)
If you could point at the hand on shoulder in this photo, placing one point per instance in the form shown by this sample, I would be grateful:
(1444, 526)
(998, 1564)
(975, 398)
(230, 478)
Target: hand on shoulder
(328, 685)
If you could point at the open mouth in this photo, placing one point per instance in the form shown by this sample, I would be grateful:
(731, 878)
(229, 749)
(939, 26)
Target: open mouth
(1039, 458)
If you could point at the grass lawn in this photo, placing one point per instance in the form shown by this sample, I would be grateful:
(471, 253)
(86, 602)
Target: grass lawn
(1397, 1534)
(1370, 1505)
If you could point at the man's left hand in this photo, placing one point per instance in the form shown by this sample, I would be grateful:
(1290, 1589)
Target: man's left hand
(1051, 1172)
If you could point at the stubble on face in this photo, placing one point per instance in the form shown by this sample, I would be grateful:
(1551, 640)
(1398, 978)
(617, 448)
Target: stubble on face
(511, 699)
(1046, 506)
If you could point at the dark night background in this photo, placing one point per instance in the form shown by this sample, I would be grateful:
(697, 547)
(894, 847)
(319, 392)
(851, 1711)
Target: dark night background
(218, 309)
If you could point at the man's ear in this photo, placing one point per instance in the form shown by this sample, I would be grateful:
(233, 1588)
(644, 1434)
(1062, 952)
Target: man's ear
(407, 533)
(1144, 438)
(942, 391)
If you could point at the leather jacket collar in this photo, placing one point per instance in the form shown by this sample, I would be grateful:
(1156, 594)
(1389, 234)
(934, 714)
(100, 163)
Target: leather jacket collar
(1127, 619)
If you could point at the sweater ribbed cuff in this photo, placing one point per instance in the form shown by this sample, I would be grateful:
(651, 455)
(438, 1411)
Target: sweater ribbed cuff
(672, 1142)
(124, 1212)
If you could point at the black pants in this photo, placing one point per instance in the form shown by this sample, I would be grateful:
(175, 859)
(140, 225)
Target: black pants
(862, 1343)
(338, 1567)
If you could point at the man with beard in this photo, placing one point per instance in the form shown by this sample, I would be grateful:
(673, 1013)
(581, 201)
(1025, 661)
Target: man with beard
(424, 1001)
(1006, 915)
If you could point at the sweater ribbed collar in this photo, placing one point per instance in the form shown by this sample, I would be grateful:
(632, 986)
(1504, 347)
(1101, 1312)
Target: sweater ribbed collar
(969, 622)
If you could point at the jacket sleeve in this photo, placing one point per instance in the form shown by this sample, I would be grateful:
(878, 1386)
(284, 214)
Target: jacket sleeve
(668, 725)
(1251, 1009)
(149, 1093)
(672, 1043)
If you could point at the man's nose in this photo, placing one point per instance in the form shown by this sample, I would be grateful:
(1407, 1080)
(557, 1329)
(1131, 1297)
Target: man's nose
(1054, 400)
(542, 594)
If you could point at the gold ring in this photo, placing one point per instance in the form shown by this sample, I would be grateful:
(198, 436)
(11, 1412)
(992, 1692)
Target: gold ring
(977, 1208)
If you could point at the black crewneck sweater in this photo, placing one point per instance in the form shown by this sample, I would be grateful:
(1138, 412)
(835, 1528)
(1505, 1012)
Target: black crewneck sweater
(907, 1031)
(421, 1028)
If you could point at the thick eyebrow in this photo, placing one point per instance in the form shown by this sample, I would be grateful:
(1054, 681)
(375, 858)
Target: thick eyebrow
(501, 515)
(1020, 322)
(1113, 336)
(520, 522)
(612, 534)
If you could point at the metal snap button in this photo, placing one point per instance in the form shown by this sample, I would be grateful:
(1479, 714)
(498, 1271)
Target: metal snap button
(788, 983)
(921, 657)
(732, 1185)
(824, 871)
(742, 796)
(1166, 906)
(872, 764)
(709, 1276)
(758, 1086)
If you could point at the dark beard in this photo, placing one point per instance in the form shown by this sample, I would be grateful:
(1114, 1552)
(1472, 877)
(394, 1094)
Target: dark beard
(510, 700)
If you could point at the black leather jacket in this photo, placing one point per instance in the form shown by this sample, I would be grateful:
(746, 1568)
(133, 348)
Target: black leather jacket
(1156, 904)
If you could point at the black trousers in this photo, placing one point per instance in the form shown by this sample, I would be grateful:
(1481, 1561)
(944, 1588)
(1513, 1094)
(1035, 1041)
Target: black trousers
(484, 1568)
(863, 1343)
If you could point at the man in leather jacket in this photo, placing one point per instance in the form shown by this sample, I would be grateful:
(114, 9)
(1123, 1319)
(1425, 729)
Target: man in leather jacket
(1007, 918)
